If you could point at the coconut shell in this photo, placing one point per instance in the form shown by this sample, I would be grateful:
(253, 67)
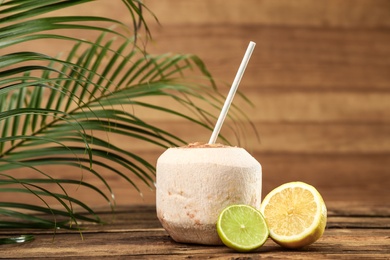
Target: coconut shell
(194, 184)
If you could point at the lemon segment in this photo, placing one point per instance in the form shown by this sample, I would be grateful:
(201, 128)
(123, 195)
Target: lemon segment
(242, 228)
(295, 214)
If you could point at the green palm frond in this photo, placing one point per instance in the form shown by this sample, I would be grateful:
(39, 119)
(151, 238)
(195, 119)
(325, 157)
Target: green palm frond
(61, 110)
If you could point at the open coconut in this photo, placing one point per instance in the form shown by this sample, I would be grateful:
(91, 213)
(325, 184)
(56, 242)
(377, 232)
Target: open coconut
(195, 183)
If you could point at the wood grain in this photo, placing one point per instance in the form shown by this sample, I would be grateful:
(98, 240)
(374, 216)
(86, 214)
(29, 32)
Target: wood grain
(331, 13)
(138, 234)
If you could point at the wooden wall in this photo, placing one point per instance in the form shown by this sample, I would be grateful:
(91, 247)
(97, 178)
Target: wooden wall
(319, 79)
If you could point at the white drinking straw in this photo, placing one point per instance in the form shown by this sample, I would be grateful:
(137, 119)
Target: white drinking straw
(232, 92)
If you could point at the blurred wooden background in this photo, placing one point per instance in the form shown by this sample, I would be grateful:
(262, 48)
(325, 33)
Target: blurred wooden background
(319, 78)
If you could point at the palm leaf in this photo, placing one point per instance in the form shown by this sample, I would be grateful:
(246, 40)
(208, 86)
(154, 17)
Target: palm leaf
(61, 110)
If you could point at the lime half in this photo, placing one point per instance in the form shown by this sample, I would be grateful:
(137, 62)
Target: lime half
(242, 227)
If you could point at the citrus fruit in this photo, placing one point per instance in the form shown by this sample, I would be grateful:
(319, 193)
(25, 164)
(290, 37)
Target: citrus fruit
(242, 228)
(295, 214)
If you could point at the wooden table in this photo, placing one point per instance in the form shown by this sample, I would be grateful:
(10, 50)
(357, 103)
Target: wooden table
(353, 231)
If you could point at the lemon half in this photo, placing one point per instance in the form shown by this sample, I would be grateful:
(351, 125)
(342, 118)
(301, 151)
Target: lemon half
(295, 214)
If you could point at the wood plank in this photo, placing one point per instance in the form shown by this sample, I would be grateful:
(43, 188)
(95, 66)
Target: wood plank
(358, 208)
(275, 105)
(302, 138)
(329, 13)
(291, 137)
(320, 106)
(333, 13)
(362, 222)
(286, 138)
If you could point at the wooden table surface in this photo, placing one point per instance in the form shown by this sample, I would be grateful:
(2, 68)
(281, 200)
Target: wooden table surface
(353, 232)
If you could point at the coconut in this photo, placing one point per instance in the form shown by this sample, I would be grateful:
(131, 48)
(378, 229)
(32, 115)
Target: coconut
(195, 183)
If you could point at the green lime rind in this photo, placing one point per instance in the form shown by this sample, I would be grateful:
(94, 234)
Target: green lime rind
(242, 228)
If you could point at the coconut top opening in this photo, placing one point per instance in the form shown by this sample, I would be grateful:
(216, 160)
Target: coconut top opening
(202, 156)
(204, 145)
